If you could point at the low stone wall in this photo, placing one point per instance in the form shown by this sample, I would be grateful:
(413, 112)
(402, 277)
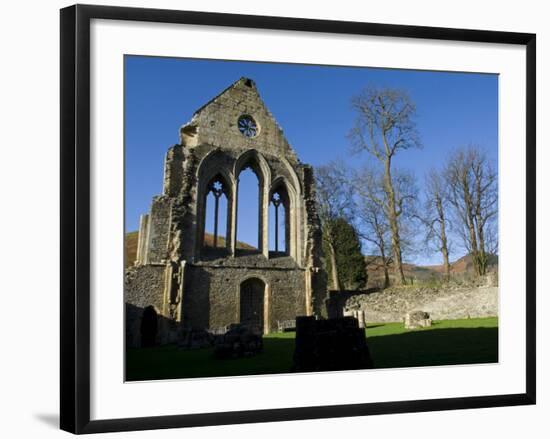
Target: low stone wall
(391, 305)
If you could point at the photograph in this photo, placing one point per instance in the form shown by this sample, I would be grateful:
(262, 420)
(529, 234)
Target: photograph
(289, 218)
(274, 220)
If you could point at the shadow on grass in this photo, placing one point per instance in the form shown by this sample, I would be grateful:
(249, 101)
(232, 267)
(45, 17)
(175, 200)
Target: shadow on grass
(435, 347)
(165, 362)
(428, 347)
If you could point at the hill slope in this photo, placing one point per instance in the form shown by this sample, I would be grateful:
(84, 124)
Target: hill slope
(462, 267)
(131, 243)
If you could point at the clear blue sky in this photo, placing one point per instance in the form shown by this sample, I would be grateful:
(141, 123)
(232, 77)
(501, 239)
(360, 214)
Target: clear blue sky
(310, 103)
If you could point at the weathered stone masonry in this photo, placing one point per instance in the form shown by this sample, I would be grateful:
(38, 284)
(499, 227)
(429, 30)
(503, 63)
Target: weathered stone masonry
(191, 284)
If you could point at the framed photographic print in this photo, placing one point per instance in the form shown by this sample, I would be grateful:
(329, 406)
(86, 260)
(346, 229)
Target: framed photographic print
(268, 218)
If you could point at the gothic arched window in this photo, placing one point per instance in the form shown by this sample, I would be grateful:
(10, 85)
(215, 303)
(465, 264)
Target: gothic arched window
(216, 214)
(279, 225)
(248, 210)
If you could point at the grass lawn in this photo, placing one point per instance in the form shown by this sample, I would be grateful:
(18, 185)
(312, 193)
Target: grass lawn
(446, 342)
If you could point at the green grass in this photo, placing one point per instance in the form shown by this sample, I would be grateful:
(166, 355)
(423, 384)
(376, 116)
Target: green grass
(445, 343)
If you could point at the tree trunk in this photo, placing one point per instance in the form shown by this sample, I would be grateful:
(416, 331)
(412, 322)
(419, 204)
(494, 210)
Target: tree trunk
(334, 268)
(386, 276)
(474, 247)
(446, 264)
(443, 236)
(481, 262)
(384, 263)
(394, 226)
(482, 255)
(469, 208)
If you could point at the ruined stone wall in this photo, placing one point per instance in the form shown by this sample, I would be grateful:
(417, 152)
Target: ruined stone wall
(183, 165)
(212, 294)
(159, 229)
(173, 171)
(205, 294)
(391, 305)
(314, 245)
(143, 287)
(216, 122)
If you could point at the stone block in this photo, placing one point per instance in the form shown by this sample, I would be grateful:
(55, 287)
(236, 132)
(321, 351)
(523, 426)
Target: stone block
(417, 319)
(332, 344)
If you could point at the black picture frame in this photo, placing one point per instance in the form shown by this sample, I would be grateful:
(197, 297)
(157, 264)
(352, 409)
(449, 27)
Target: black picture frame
(75, 217)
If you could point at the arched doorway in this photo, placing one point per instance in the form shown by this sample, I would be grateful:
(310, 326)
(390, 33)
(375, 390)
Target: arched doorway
(252, 303)
(149, 326)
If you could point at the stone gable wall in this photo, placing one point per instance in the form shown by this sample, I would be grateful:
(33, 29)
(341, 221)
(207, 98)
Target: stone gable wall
(204, 287)
(216, 123)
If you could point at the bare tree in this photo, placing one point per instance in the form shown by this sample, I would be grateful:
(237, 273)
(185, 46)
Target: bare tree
(371, 211)
(334, 200)
(384, 126)
(435, 217)
(473, 193)
(406, 198)
(371, 216)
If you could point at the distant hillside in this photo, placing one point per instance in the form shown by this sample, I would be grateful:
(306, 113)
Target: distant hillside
(462, 267)
(131, 243)
(130, 248)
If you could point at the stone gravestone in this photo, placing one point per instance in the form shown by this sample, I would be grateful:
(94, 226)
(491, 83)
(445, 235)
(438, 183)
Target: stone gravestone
(358, 314)
(332, 344)
(239, 341)
(195, 338)
(417, 319)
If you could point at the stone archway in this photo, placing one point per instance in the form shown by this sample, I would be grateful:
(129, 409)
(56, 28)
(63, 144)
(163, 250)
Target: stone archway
(149, 327)
(252, 302)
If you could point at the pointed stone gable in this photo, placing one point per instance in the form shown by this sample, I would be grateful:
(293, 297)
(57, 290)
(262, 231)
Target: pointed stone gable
(216, 123)
(180, 273)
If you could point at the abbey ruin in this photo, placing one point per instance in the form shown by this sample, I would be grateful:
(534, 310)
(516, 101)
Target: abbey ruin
(181, 280)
